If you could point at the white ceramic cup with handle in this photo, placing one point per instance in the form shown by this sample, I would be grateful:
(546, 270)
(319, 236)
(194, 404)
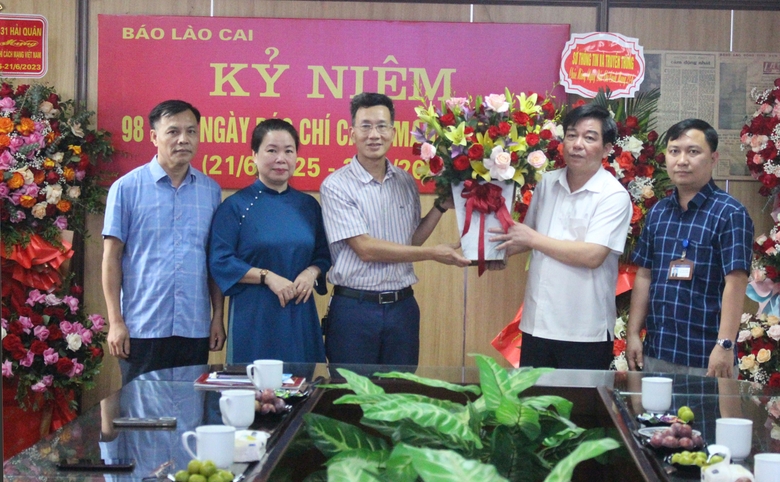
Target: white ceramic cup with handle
(237, 408)
(265, 373)
(213, 442)
(656, 394)
(736, 434)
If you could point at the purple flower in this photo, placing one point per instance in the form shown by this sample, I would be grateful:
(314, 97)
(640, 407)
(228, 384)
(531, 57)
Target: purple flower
(18, 217)
(35, 296)
(77, 369)
(15, 196)
(27, 361)
(7, 105)
(26, 323)
(7, 371)
(4, 189)
(61, 223)
(41, 332)
(73, 303)
(97, 322)
(50, 356)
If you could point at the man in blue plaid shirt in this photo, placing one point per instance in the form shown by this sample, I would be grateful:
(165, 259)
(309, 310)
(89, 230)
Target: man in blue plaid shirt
(694, 257)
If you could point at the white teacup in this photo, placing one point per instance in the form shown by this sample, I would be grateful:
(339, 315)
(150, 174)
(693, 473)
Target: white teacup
(265, 373)
(766, 467)
(656, 394)
(213, 442)
(736, 434)
(238, 408)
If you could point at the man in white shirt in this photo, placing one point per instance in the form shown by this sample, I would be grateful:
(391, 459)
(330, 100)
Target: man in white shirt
(576, 226)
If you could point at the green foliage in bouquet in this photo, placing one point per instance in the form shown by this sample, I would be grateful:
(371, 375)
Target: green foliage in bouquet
(499, 436)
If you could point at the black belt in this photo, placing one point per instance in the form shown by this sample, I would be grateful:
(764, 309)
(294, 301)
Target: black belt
(380, 297)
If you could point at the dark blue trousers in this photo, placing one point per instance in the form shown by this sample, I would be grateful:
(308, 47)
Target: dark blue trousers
(362, 332)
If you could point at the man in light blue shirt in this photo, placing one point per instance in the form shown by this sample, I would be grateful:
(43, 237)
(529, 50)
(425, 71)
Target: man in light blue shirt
(158, 291)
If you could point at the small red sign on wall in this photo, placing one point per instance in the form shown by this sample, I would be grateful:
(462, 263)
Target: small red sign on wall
(599, 60)
(23, 46)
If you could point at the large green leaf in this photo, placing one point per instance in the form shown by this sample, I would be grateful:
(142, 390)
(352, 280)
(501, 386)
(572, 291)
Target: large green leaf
(409, 397)
(360, 384)
(587, 450)
(431, 382)
(513, 456)
(445, 465)
(425, 415)
(497, 383)
(357, 466)
(410, 433)
(332, 437)
(561, 405)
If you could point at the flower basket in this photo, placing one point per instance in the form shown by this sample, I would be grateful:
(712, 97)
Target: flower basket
(479, 208)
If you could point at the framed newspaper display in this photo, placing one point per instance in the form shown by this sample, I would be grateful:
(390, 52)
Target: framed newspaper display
(715, 87)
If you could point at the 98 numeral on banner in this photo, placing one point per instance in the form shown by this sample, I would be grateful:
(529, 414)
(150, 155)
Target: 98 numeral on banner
(132, 128)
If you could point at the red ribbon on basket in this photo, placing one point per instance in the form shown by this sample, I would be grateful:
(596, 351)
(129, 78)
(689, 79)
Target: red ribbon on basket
(485, 199)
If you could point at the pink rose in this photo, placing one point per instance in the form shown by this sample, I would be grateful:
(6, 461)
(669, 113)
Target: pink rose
(7, 369)
(496, 103)
(7, 105)
(41, 332)
(537, 159)
(66, 327)
(773, 407)
(744, 335)
(499, 164)
(50, 356)
(7, 161)
(73, 303)
(427, 151)
(765, 108)
(80, 175)
(35, 296)
(77, 369)
(97, 322)
(4, 323)
(86, 337)
(61, 222)
(26, 323)
(39, 387)
(48, 380)
(27, 361)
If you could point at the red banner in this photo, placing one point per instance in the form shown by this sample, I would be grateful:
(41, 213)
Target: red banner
(238, 71)
(23, 46)
(601, 60)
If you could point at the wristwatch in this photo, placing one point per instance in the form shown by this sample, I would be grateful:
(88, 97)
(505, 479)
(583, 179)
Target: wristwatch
(263, 273)
(439, 207)
(725, 343)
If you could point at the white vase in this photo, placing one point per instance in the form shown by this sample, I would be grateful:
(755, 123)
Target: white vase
(470, 241)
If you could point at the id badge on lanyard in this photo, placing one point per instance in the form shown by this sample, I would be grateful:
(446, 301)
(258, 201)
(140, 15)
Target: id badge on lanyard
(681, 269)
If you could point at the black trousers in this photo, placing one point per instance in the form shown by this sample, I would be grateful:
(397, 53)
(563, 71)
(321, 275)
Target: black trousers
(542, 352)
(149, 354)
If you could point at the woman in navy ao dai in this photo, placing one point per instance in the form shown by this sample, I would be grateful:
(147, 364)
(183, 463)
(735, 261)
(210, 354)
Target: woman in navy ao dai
(268, 253)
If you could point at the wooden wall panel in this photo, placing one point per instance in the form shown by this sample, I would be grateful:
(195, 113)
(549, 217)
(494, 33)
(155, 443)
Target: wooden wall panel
(61, 17)
(665, 29)
(581, 19)
(757, 31)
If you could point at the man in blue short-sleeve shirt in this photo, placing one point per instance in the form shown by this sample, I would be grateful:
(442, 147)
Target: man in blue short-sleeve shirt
(155, 280)
(694, 256)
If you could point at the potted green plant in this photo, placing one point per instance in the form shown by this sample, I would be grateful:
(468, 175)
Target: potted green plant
(495, 435)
